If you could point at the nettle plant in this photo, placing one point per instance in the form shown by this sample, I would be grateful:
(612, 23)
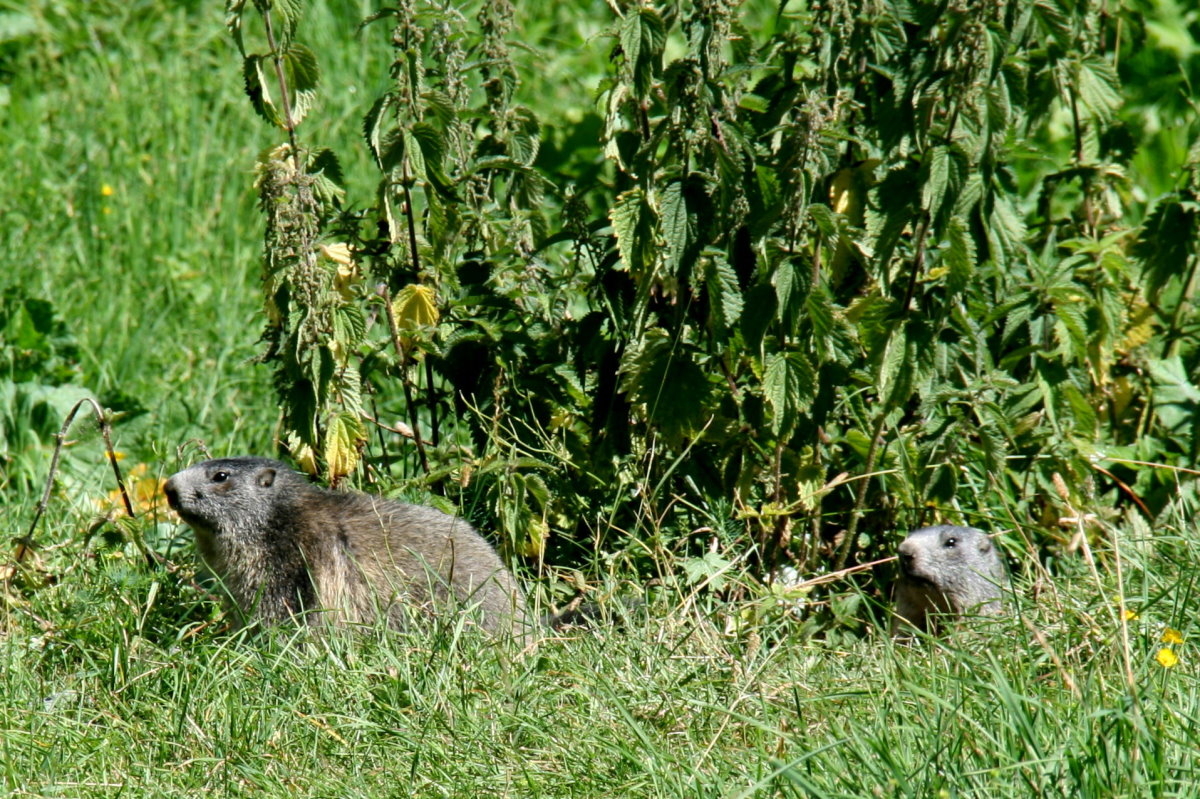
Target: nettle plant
(833, 269)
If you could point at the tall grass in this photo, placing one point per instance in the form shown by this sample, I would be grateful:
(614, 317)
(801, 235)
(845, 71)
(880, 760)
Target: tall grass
(119, 682)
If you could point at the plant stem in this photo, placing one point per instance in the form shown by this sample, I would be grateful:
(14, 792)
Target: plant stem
(285, 99)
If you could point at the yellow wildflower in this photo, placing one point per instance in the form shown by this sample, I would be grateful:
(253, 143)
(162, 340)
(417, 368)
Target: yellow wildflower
(1129, 615)
(1172, 636)
(1166, 658)
(106, 190)
(145, 492)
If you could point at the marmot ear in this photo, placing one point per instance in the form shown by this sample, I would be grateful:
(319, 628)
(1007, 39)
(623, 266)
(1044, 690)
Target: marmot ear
(985, 543)
(266, 477)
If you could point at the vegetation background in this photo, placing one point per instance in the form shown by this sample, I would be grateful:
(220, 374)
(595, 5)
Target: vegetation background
(692, 301)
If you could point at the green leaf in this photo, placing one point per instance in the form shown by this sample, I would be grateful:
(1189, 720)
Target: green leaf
(235, 10)
(677, 225)
(286, 17)
(1176, 398)
(257, 89)
(724, 294)
(375, 126)
(1099, 88)
(943, 173)
(643, 36)
(825, 220)
(789, 385)
(626, 216)
(663, 378)
(303, 76)
(959, 256)
(1167, 239)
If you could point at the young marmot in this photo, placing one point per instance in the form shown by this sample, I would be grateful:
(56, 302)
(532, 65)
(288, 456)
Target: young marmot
(945, 571)
(282, 547)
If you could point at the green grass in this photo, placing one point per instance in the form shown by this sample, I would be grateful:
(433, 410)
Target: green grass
(119, 680)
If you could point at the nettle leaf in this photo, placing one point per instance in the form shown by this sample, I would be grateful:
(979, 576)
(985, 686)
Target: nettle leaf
(959, 256)
(724, 294)
(235, 11)
(1005, 229)
(789, 385)
(943, 173)
(415, 306)
(897, 367)
(1099, 88)
(303, 75)
(343, 440)
(1176, 398)
(1167, 240)
(626, 215)
(286, 17)
(349, 325)
(376, 125)
(1083, 412)
(793, 281)
(678, 226)
(258, 90)
(416, 156)
(826, 222)
(643, 36)
(1070, 326)
(819, 311)
(439, 107)
(664, 379)
(525, 139)
(328, 180)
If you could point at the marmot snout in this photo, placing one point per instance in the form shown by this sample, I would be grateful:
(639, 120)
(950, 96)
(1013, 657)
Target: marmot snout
(945, 570)
(283, 547)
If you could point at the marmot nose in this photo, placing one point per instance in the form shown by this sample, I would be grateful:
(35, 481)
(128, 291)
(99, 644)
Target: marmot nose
(172, 494)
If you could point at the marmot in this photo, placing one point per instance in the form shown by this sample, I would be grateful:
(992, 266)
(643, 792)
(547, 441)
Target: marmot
(947, 570)
(282, 547)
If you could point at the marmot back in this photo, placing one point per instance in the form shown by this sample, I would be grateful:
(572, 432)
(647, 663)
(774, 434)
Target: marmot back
(282, 546)
(947, 570)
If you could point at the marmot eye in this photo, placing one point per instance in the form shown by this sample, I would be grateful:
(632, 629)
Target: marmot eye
(220, 477)
(951, 542)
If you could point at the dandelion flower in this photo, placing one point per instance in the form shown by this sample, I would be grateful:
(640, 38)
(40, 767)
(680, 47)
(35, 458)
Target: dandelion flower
(1129, 615)
(1172, 636)
(106, 190)
(1166, 658)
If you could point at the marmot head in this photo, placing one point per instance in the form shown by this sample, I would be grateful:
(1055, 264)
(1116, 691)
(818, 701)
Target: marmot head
(936, 555)
(228, 496)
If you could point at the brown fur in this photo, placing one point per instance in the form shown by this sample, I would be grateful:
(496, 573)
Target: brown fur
(283, 548)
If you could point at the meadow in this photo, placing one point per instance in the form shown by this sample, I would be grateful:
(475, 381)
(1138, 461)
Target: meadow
(132, 234)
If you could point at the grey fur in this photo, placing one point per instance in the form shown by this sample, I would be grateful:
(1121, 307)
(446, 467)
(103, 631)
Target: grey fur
(945, 571)
(282, 547)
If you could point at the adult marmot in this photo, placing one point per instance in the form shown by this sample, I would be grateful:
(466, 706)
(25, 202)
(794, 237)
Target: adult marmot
(282, 547)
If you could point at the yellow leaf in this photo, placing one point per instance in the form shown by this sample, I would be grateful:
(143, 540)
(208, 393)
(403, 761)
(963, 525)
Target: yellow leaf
(840, 193)
(415, 306)
(303, 454)
(339, 253)
(342, 442)
(536, 533)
